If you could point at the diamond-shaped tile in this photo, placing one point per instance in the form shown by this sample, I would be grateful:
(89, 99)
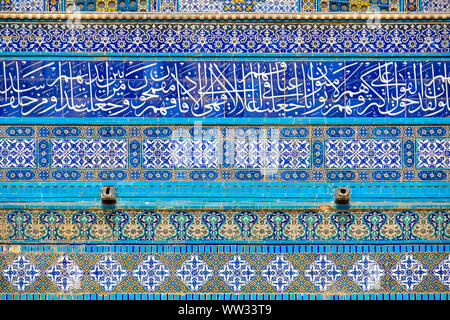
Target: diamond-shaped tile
(409, 272)
(65, 273)
(194, 272)
(237, 273)
(280, 273)
(323, 272)
(151, 273)
(21, 273)
(366, 273)
(108, 272)
(442, 271)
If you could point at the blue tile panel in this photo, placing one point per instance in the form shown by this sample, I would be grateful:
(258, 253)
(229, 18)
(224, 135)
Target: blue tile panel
(224, 38)
(198, 271)
(224, 89)
(224, 226)
(363, 154)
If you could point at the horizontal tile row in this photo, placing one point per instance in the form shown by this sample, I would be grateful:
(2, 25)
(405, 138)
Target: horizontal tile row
(207, 38)
(224, 273)
(128, 225)
(224, 153)
(227, 296)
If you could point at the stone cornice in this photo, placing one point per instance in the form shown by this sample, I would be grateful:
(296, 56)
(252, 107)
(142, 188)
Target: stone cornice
(307, 17)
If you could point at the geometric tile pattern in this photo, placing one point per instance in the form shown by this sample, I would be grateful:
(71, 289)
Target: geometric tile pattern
(108, 272)
(17, 153)
(280, 272)
(194, 272)
(363, 154)
(366, 273)
(237, 273)
(151, 273)
(323, 272)
(227, 89)
(442, 271)
(433, 153)
(89, 153)
(295, 225)
(65, 274)
(435, 6)
(311, 269)
(21, 273)
(409, 272)
(292, 153)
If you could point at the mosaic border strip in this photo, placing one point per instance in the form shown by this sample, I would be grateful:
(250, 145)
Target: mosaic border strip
(131, 225)
(206, 38)
(236, 6)
(392, 271)
(224, 154)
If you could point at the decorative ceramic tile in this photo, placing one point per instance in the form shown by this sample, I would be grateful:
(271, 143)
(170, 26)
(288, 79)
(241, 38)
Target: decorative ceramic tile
(21, 273)
(89, 153)
(224, 153)
(409, 272)
(65, 274)
(18, 153)
(435, 6)
(323, 272)
(237, 273)
(366, 273)
(28, 5)
(151, 273)
(307, 269)
(126, 225)
(280, 273)
(108, 272)
(199, 38)
(194, 272)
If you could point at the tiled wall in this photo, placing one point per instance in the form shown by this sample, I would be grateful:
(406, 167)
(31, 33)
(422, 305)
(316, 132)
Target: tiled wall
(242, 120)
(224, 153)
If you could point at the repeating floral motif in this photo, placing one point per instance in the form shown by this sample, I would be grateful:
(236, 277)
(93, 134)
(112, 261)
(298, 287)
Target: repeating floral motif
(194, 272)
(280, 273)
(89, 153)
(237, 273)
(284, 273)
(366, 273)
(21, 273)
(409, 272)
(435, 6)
(225, 38)
(323, 272)
(224, 153)
(226, 225)
(65, 273)
(108, 272)
(17, 153)
(151, 273)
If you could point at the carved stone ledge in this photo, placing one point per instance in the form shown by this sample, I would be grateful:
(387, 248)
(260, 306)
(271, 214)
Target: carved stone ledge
(222, 16)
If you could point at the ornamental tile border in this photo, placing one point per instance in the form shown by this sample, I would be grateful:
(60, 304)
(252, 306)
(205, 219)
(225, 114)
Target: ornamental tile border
(75, 36)
(150, 270)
